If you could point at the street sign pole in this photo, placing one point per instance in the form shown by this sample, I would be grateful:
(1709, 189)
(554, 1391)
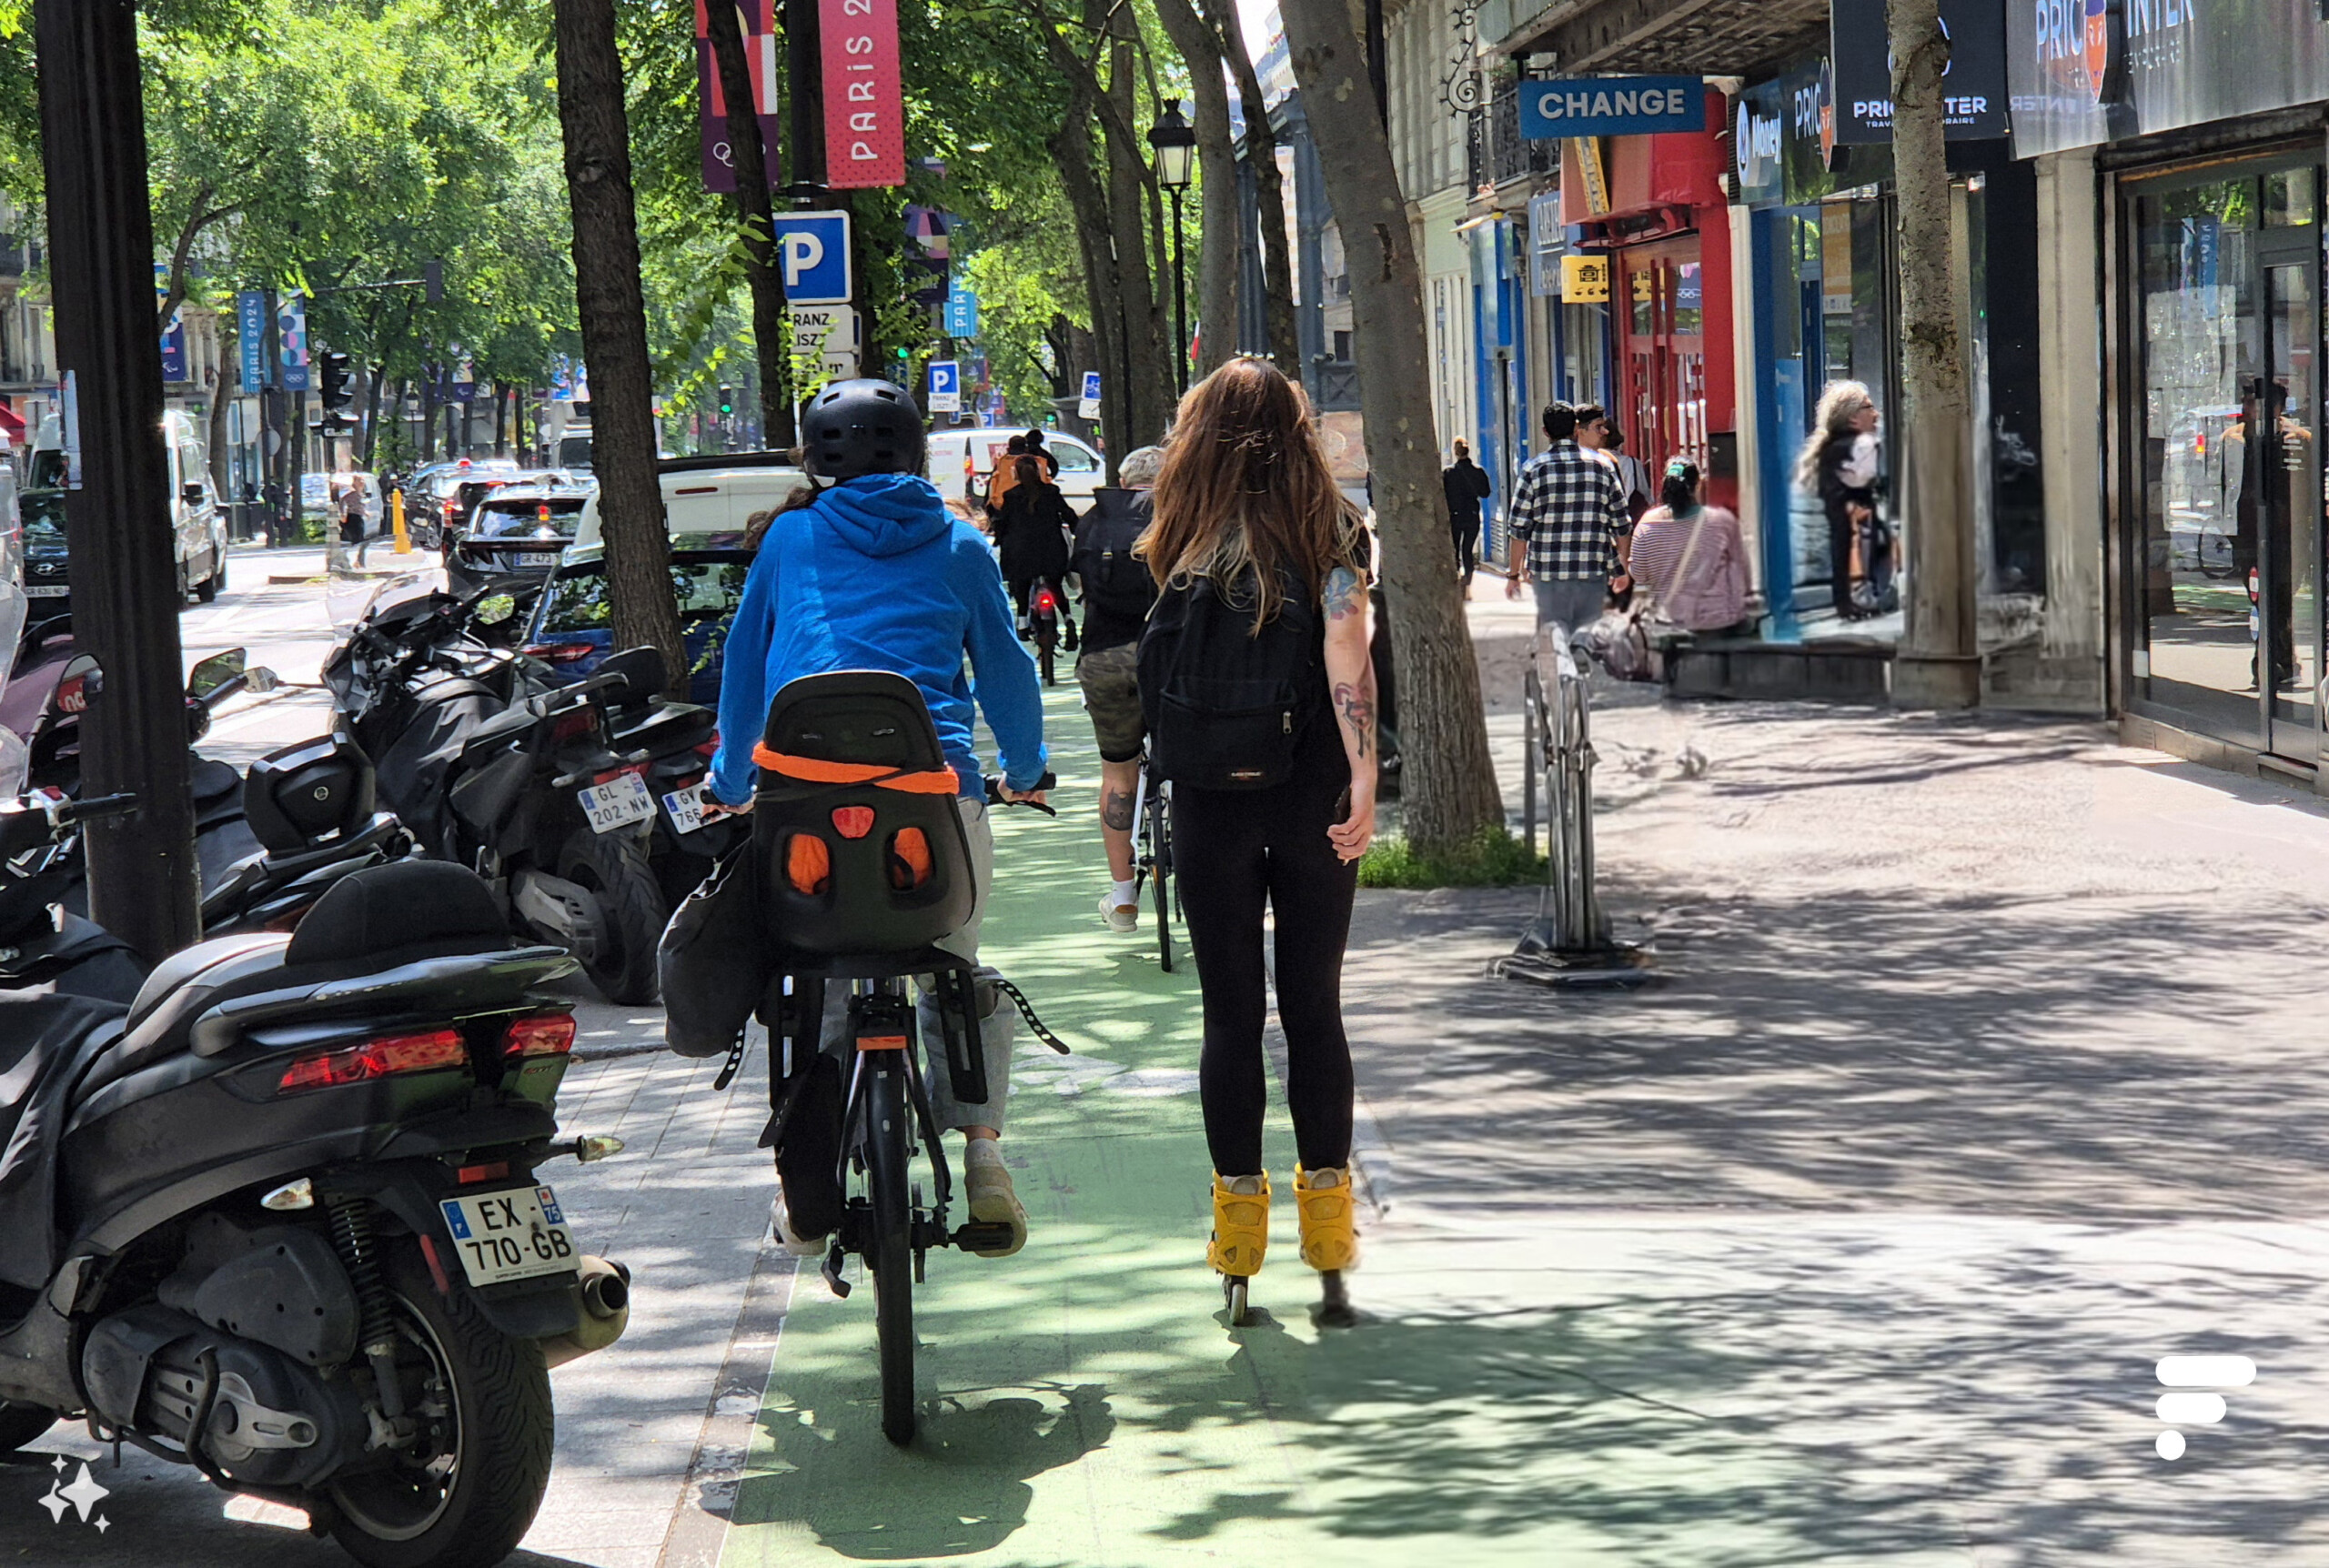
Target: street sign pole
(142, 882)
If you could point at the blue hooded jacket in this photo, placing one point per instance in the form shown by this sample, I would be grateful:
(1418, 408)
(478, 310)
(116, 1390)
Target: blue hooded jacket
(877, 574)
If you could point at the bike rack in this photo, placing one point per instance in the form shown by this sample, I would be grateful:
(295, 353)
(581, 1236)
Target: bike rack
(1568, 943)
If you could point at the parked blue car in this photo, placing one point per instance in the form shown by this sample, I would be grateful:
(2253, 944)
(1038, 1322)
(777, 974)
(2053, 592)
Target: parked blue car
(572, 628)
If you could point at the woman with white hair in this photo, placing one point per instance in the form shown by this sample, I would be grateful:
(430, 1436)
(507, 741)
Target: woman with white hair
(1838, 465)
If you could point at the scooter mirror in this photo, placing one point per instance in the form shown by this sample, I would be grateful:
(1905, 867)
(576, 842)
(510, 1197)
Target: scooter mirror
(495, 608)
(260, 680)
(215, 672)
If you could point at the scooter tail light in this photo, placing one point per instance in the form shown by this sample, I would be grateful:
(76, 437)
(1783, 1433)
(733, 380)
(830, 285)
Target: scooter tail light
(541, 1034)
(385, 1057)
(577, 721)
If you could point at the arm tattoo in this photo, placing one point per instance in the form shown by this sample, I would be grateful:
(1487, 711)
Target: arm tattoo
(1344, 596)
(1357, 714)
(1116, 811)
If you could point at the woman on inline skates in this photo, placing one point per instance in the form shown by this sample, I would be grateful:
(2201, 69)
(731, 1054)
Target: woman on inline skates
(1260, 698)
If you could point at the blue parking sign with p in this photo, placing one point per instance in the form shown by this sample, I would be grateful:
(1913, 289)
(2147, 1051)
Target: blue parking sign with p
(812, 253)
(945, 378)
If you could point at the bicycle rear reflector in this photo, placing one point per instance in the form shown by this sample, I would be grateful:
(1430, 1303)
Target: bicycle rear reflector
(852, 821)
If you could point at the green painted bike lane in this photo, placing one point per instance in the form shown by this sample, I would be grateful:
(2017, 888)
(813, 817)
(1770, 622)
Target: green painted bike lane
(1084, 1400)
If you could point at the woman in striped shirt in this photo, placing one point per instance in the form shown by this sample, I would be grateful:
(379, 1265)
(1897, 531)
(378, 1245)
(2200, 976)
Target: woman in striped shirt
(1692, 558)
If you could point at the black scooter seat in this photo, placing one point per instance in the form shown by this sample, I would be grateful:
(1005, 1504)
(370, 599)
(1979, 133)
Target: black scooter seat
(371, 922)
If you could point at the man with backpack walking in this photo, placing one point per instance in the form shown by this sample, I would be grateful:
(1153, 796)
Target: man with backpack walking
(1118, 592)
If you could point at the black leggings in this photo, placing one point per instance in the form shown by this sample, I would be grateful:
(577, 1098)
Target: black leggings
(1233, 849)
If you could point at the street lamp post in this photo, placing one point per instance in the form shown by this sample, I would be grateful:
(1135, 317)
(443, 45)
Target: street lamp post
(1176, 149)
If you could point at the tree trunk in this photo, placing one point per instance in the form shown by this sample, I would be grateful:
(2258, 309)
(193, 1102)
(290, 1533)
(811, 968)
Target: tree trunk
(772, 328)
(377, 377)
(1217, 279)
(222, 394)
(1278, 326)
(1071, 150)
(613, 311)
(1129, 222)
(1447, 781)
(500, 419)
(1939, 663)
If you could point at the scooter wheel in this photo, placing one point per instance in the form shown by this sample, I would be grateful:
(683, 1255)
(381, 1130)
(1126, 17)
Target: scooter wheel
(631, 911)
(467, 1490)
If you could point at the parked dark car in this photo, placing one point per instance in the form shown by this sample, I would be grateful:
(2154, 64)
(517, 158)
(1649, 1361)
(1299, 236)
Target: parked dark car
(573, 625)
(47, 582)
(517, 529)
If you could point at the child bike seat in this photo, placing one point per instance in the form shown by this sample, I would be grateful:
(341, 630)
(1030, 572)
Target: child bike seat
(856, 833)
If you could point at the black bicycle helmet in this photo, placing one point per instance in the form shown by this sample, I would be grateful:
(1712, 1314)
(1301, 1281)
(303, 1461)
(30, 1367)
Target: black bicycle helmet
(857, 427)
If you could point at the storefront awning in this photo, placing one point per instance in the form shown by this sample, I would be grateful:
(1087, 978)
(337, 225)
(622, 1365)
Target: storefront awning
(12, 426)
(1705, 37)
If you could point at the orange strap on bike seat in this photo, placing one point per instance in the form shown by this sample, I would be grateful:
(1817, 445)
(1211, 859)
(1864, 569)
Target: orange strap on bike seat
(813, 770)
(881, 1043)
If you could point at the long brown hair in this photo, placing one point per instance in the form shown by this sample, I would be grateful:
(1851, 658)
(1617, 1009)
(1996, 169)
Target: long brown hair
(1246, 485)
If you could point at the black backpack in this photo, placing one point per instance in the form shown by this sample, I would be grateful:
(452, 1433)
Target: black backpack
(1113, 580)
(1226, 706)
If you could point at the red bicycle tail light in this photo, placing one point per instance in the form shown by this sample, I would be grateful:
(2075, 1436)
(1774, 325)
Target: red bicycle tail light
(432, 1052)
(852, 821)
(560, 652)
(1043, 600)
(543, 1034)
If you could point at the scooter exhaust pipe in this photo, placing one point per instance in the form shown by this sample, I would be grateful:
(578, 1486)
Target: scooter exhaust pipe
(602, 1301)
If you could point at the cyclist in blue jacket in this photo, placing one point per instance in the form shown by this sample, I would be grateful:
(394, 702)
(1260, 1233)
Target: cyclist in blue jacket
(874, 573)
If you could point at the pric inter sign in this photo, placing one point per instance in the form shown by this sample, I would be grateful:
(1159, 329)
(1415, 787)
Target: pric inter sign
(1558, 106)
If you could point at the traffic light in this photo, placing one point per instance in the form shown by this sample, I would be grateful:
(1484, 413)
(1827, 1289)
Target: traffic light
(727, 401)
(336, 384)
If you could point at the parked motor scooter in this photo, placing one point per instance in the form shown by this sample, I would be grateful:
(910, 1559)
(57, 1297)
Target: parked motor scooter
(537, 798)
(280, 1218)
(677, 739)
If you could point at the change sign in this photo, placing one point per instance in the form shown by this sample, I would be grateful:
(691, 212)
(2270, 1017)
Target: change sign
(1612, 107)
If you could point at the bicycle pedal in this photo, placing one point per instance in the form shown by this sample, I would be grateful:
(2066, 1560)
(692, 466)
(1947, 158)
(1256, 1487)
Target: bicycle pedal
(984, 1236)
(831, 1272)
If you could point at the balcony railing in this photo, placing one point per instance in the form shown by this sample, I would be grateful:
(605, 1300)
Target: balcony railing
(1515, 156)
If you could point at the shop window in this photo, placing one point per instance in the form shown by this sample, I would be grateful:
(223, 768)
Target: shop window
(2289, 199)
(2201, 346)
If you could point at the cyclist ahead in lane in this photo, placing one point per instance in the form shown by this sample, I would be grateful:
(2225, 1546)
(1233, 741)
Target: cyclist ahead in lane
(876, 573)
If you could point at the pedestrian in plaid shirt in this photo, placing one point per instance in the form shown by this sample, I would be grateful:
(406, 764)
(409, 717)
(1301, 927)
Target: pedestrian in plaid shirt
(1569, 524)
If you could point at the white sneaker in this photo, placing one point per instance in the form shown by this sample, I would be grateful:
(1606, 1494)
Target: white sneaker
(799, 1246)
(1120, 917)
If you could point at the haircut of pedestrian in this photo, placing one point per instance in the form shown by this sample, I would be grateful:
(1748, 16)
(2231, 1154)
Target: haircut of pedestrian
(1839, 404)
(1246, 485)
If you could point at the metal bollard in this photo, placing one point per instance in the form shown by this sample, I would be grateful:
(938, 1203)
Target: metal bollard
(1568, 943)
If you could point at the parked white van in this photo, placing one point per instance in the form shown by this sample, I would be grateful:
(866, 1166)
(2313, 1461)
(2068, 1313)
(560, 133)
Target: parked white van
(961, 462)
(708, 500)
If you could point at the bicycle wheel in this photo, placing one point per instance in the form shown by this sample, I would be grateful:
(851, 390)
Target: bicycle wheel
(1160, 838)
(890, 1250)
